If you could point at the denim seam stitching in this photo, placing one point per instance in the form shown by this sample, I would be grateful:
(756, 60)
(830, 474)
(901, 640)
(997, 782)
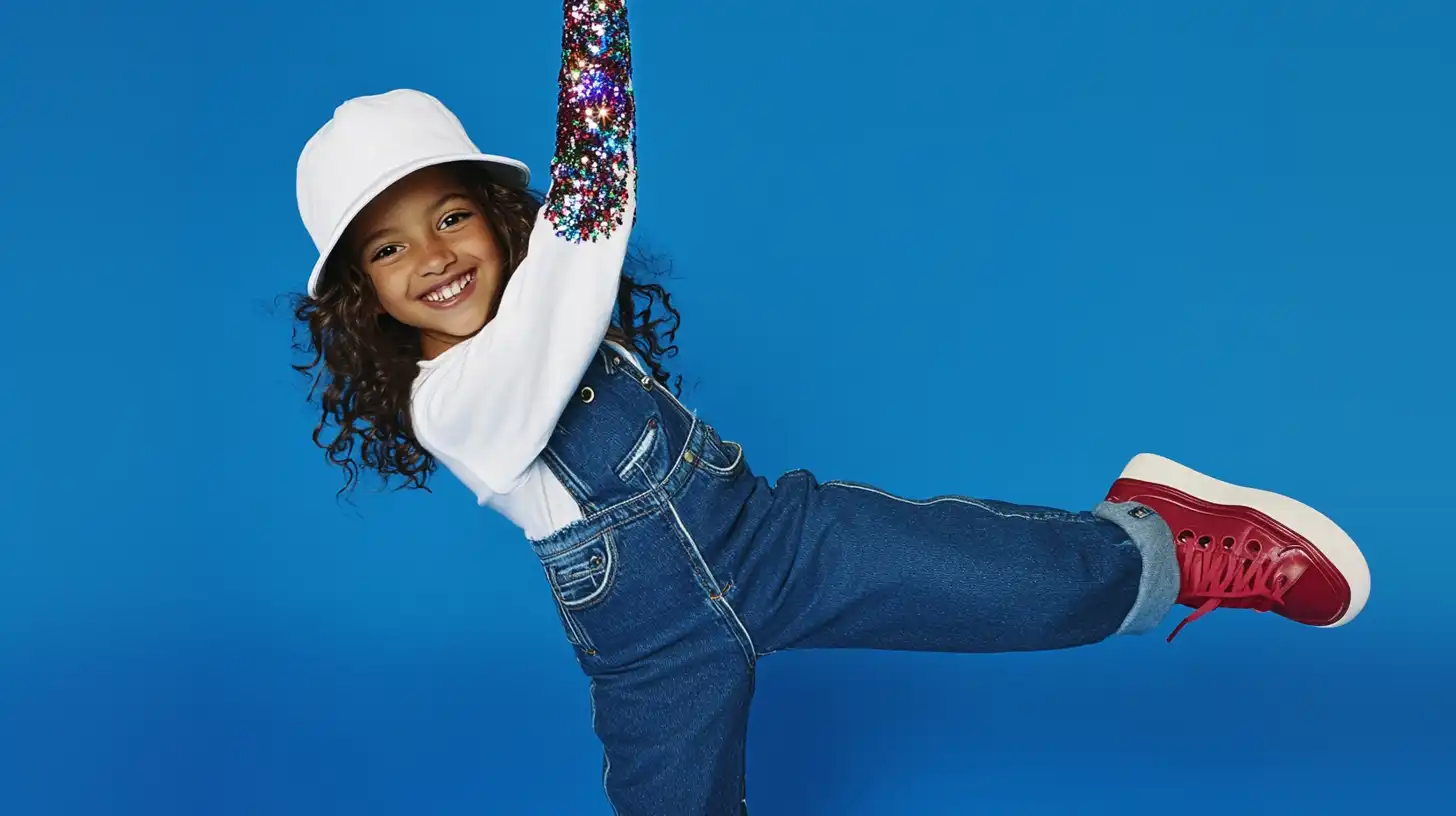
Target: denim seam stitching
(716, 598)
(573, 483)
(606, 757)
(656, 386)
(1072, 517)
(575, 631)
(566, 622)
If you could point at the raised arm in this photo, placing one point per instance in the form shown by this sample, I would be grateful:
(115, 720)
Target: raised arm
(593, 172)
(491, 403)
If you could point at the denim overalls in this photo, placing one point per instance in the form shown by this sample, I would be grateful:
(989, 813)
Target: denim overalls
(687, 568)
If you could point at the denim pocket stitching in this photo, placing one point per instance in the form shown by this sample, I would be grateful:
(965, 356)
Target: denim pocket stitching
(731, 451)
(638, 453)
(609, 569)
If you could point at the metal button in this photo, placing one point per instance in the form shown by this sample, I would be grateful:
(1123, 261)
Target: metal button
(587, 394)
(647, 382)
(689, 457)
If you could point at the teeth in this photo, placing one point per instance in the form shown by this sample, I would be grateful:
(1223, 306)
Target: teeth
(451, 291)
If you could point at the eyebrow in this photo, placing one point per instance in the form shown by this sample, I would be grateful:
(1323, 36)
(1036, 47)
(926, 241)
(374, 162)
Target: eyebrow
(440, 202)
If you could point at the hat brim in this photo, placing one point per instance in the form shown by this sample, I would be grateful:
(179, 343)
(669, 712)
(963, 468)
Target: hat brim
(507, 171)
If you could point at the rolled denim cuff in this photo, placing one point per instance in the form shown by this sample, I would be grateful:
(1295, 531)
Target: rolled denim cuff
(1158, 587)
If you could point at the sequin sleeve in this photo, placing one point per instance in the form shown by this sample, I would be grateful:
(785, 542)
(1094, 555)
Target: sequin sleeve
(592, 173)
(488, 406)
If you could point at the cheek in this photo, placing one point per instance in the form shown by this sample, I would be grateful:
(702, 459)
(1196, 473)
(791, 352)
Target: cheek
(391, 291)
(483, 246)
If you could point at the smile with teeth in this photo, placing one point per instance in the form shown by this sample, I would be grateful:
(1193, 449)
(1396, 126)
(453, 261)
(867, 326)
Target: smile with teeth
(451, 290)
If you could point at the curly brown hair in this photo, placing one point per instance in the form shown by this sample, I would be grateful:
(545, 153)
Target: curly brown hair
(363, 362)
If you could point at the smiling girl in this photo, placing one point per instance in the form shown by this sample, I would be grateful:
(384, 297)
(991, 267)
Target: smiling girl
(457, 318)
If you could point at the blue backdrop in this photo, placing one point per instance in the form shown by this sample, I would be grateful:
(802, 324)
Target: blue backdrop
(986, 248)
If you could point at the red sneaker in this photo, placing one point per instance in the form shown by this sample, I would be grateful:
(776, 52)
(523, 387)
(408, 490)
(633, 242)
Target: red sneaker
(1242, 548)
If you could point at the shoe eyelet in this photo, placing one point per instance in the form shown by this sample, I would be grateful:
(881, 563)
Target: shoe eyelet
(1185, 536)
(1204, 542)
(1228, 543)
(1255, 547)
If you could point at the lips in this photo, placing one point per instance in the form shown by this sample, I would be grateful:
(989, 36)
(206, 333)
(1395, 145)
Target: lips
(451, 291)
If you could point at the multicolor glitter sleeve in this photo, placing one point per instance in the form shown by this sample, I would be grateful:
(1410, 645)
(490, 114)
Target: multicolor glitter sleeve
(593, 171)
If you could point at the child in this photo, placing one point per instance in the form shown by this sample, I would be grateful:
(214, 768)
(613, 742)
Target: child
(460, 319)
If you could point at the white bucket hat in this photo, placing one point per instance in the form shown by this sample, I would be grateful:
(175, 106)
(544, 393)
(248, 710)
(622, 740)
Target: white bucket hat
(372, 142)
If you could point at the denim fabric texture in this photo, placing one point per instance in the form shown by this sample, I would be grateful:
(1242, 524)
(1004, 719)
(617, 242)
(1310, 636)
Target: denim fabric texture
(688, 568)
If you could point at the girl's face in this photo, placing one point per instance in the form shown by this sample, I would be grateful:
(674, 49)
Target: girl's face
(431, 257)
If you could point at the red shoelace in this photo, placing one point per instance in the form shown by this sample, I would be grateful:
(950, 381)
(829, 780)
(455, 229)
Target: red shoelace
(1214, 576)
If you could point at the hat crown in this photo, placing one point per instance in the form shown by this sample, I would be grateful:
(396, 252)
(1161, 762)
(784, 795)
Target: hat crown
(369, 138)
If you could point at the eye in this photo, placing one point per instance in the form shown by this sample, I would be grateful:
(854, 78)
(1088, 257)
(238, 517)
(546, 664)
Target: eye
(384, 252)
(455, 218)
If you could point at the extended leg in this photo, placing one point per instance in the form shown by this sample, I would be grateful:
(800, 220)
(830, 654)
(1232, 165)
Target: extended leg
(840, 565)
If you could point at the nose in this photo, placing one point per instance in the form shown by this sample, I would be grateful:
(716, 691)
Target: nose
(437, 255)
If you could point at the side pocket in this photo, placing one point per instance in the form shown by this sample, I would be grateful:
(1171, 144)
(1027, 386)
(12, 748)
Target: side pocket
(582, 576)
(719, 457)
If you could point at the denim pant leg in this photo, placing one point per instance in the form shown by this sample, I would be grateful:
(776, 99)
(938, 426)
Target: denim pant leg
(840, 565)
(674, 732)
(670, 680)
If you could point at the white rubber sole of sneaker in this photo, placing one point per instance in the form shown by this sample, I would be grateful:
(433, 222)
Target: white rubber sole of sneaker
(1335, 543)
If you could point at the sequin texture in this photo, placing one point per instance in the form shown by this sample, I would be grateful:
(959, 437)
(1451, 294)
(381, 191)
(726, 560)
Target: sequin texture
(591, 172)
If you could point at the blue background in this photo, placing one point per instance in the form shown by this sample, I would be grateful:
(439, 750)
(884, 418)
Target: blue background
(943, 246)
